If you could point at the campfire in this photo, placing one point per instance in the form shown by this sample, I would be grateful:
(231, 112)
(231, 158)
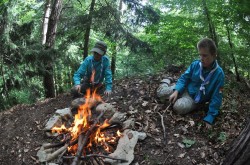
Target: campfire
(92, 136)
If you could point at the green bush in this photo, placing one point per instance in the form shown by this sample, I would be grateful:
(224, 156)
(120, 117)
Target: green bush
(23, 96)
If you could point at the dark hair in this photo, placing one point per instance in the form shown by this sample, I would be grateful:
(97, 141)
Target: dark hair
(207, 43)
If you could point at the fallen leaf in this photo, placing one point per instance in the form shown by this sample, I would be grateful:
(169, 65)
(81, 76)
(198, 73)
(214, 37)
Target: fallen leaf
(182, 155)
(203, 154)
(148, 111)
(177, 135)
(131, 108)
(181, 145)
(145, 103)
(191, 123)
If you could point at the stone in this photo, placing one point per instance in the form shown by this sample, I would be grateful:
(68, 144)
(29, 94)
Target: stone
(128, 124)
(65, 113)
(77, 102)
(108, 109)
(57, 119)
(42, 155)
(118, 118)
(54, 121)
(125, 147)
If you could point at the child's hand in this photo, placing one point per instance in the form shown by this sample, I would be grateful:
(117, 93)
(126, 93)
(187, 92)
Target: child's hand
(208, 126)
(107, 93)
(173, 97)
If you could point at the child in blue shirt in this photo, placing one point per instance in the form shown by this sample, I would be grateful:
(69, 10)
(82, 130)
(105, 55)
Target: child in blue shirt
(93, 70)
(202, 82)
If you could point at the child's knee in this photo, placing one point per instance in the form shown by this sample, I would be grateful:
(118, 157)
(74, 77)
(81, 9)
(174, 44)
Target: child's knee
(183, 106)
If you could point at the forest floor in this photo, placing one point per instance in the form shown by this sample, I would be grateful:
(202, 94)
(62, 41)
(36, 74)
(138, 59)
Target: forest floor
(188, 141)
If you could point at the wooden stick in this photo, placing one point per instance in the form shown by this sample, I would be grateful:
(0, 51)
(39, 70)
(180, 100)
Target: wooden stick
(162, 124)
(85, 139)
(63, 149)
(164, 129)
(56, 153)
(53, 145)
(96, 155)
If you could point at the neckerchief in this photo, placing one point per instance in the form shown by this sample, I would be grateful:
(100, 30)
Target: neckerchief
(205, 82)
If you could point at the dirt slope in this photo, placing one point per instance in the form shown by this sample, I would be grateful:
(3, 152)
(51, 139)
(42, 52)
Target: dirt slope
(21, 127)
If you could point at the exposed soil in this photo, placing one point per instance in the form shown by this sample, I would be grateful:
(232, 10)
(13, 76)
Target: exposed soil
(22, 126)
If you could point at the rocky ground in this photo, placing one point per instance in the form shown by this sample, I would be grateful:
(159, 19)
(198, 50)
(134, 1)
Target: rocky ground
(188, 141)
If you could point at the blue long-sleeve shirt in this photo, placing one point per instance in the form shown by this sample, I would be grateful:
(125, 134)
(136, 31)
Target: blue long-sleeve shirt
(102, 70)
(191, 81)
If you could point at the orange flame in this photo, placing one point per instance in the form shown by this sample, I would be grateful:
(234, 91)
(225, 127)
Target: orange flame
(59, 129)
(81, 124)
(92, 79)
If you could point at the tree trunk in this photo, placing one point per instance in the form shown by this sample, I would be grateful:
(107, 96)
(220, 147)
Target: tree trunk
(87, 33)
(212, 31)
(46, 20)
(113, 61)
(239, 153)
(116, 47)
(232, 54)
(3, 24)
(48, 79)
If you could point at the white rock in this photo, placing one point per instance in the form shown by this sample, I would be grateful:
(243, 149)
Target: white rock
(125, 147)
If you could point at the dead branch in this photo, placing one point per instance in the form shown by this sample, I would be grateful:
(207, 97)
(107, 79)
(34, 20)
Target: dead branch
(164, 129)
(61, 150)
(163, 125)
(56, 153)
(96, 155)
(53, 145)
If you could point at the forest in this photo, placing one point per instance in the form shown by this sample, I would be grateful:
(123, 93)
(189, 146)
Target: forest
(43, 43)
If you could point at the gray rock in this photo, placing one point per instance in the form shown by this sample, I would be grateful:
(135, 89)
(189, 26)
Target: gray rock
(77, 102)
(64, 113)
(54, 121)
(42, 155)
(128, 124)
(118, 117)
(108, 109)
(57, 119)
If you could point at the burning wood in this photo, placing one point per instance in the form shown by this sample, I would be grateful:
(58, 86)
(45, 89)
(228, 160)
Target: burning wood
(84, 140)
(86, 132)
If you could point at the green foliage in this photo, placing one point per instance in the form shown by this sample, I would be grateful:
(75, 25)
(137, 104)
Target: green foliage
(145, 37)
(222, 137)
(188, 143)
(20, 97)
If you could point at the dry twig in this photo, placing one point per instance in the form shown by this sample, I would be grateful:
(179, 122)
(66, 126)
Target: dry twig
(162, 123)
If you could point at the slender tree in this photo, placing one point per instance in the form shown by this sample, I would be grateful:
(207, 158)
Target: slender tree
(47, 12)
(87, 32)
(48, 78)
(232, 54)
(3, 26)
(116, 46)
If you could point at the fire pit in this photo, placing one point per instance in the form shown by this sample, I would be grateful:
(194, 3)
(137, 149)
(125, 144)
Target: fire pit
(92, 136)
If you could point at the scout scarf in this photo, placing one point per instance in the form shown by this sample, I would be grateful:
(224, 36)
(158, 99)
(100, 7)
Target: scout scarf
(205, 82)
